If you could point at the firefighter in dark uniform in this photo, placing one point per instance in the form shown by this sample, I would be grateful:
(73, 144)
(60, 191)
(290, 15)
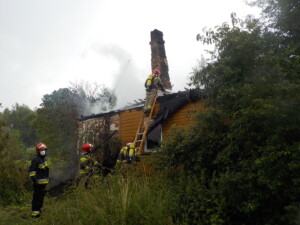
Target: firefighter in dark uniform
(39, 173)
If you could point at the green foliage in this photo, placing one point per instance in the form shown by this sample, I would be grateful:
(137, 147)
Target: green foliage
(14, 178)
(22, 118)
(56, 123)
(236, 170)
(118, 199)
(240, 161)
(92, 98)
(57, 118)
(238, 164)
(283, 16)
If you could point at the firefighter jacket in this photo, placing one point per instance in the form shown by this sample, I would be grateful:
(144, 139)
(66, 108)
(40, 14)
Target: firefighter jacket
(39, 170)
(154, 82)
(86, 164)
(127, 154)
(133, 153)
(123, 155)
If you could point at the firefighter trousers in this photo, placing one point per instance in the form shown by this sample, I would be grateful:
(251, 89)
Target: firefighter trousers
(39, 192)
(150, 96)
(84, 179)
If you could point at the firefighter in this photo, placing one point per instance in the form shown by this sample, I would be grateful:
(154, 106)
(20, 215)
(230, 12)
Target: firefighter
(124, 154)
(39, 174)
(87, 164)
(128, 154)
(133, 154)
(152, 85)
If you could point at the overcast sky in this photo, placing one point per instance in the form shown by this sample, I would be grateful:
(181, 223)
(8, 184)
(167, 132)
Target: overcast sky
(46, 44)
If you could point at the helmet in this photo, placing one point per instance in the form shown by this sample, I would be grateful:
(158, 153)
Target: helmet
(128, 143)
(86, 147)
(39, 146)
(156, 71)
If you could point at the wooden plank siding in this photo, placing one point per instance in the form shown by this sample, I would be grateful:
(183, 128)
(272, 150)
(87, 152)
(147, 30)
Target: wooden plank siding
(126, 122)
(182, 118)
(129, 122)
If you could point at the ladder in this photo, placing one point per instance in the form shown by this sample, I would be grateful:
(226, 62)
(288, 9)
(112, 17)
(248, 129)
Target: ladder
(142, 130)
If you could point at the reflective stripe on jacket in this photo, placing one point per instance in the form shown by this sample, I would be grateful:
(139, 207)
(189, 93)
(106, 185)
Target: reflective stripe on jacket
(39, 170)
(86, 163)
(123, 155)
(127, 154)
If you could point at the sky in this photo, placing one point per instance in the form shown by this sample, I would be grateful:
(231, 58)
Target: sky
(47, 44)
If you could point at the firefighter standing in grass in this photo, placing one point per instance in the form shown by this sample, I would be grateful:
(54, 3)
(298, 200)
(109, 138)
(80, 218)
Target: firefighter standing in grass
(152, 85)
(39, 173)
(86, 164)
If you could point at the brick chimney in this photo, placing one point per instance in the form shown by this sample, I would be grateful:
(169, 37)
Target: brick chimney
(158, 57)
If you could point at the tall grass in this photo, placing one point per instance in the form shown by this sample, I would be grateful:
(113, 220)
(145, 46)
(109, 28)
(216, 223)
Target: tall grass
(117, 199)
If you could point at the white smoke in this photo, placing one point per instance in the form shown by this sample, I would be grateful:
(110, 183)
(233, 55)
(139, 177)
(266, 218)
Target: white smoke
(128, 82)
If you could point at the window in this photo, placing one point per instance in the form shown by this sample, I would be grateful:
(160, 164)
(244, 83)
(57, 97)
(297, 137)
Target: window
(154, 138)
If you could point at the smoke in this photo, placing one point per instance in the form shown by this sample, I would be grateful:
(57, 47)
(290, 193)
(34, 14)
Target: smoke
(128, 86)
(60, 176)
(128, 80)
(92, 98)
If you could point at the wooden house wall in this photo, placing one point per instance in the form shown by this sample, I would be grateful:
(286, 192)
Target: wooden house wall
(129, 122)
(182, 118)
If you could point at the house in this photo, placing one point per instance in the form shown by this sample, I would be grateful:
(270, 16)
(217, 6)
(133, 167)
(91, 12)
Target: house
(175, 109)
(172, 110)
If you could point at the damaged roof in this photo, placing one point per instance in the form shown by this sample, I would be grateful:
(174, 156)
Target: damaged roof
(137, 105)
(169, 104)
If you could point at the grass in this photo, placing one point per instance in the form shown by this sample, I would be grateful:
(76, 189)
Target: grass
(119, 199)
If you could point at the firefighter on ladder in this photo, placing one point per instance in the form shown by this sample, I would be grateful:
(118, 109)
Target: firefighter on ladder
(152, 85)
(39, 174)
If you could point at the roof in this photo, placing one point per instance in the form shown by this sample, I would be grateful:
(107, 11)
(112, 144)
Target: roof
(169, 104)
(137, 105)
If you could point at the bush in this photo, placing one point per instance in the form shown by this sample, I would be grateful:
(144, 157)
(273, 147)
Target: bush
(242, 170)
(13, 172)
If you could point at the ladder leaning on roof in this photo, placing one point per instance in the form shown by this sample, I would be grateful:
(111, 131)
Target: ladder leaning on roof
(142, 130)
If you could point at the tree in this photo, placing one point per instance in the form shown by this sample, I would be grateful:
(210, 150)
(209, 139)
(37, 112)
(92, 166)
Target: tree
(243, 151)
(283, 16)
(93, 98)
(57, 118)
(22, 118)
(56, 122)
(13, 175)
